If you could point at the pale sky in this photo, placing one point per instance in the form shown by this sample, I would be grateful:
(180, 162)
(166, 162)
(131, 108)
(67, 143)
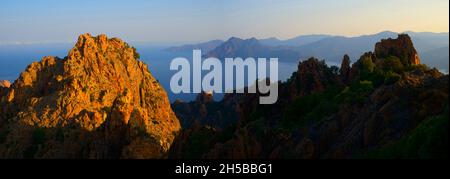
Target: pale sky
(44, 21)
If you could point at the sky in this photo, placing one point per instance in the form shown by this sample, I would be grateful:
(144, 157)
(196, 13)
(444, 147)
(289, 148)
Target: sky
(170, 21)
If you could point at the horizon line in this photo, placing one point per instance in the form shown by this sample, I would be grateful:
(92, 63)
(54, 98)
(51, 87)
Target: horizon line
(200, 41)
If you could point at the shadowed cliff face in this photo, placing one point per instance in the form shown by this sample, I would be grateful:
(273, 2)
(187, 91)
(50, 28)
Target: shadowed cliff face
(385, 105)
(98, 102)
(4, 86)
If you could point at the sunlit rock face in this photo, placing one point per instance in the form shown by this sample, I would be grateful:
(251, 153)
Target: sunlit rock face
(402, 47)
(98, 102)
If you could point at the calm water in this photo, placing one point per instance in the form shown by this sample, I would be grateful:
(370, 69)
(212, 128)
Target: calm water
(15, 58)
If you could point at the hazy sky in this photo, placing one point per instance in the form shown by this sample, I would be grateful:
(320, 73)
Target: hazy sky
(37, 21)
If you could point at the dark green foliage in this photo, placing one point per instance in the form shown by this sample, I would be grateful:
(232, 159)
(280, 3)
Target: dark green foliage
(310, 109)
(355, 93)
(136, 55)
(37, 139)
(421, 67)
(366, 65)
(369, 71)
(199, 143)
(38, 136)
(391, 77)
(3, 135)
(334, 70)
(428, 140)
(393, 64)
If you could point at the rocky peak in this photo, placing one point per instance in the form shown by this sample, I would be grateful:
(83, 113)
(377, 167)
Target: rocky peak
(312, 76)
(5, 83)
(345, 69)
(402, 47)
(204, 97)
(87, 41)
(101, 91)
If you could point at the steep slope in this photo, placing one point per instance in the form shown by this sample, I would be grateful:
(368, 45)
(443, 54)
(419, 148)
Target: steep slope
(383, 102)
(98, 102)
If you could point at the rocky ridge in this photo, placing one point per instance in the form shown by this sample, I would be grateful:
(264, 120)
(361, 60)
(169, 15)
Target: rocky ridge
(385, 105)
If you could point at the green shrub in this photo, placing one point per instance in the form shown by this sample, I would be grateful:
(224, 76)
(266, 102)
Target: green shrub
(310, 109)
(391, 77)
(366, 65)
(136, 55)
(394, 64)
(428, 140)
(356, 93)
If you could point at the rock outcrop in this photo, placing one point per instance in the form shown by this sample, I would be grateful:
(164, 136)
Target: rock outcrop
(312, 76)
(204, 97)
(4, 84)
(345, 69)
(205, 111)
(402, 47)
(319, 115)
(98, 102)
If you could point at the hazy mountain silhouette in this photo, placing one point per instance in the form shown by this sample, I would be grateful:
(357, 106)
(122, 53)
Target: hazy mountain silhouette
(437, 58)
(336, 46)
(296, 41)
(236, 47)
(205, 46)
(432, 47)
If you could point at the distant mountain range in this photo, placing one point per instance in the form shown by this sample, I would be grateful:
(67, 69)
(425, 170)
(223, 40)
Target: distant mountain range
(205, 47)
(296, 41)
(432, 47)
(236, 47)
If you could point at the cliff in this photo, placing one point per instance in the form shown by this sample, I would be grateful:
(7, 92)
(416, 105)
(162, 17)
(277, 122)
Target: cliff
(402, 47)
